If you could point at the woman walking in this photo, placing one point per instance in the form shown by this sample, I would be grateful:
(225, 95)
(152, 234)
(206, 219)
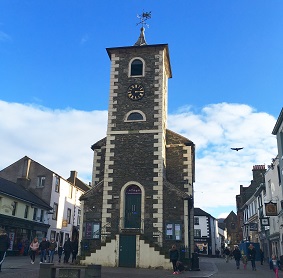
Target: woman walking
(174, 257)
(33, 249)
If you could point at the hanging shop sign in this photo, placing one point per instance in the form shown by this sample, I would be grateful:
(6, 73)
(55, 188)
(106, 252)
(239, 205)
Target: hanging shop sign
(264, 221)
(271, 209)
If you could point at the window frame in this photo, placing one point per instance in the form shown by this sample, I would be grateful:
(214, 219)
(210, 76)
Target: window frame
(57, 184)
(92, 230)
(14, 206)
(41, 181)
(197, 232)
(26, 211)
(69, 215)
(196, 220)
(130, 67)
(55, 211)
(173, 231)
(34, 217)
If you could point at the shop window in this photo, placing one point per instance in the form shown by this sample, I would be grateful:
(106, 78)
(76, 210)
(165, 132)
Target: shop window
(197, 232)
(173, 231)
(26, 211)
(91, 230)
(55, 211)
(196, 221)
(69, 215)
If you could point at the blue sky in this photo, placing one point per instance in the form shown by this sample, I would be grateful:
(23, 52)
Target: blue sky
(227, 64)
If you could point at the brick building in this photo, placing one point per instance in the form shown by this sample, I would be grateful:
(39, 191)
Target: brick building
(142, 186)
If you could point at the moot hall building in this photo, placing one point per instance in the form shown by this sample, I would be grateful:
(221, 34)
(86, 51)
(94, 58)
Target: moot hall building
(141, 200)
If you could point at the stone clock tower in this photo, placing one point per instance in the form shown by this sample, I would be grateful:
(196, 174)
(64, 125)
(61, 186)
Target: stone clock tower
(142, 185)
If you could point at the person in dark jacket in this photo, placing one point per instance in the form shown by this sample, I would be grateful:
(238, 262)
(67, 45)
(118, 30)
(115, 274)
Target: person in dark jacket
(75, 249)
(43, 248)
(251, 255)
(67, 250)
(60, 251)
(174, 257)
(4, 245)
(237, 256)
(226, 254)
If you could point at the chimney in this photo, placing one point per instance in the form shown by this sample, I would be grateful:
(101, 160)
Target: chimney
(26, 168)
(73, 177)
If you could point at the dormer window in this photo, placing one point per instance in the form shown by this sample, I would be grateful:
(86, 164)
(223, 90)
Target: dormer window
(135, 116)
(136, 67)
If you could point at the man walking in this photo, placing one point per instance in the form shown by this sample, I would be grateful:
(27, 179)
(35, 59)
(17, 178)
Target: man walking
(251, 255)
(52, 248)
(237, 256)
(4, 245)
(43, 247)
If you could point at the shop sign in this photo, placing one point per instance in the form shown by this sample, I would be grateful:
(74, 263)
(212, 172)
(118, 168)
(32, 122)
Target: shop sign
(271, 209)
(253, 227)
(264, 221)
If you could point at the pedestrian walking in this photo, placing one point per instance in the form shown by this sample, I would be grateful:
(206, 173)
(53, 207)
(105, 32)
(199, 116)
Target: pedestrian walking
(67, 250)
(274, 265)
(237, 256)
(174, 257)
(52, 248)
(4, 245)
(75, 249)
(261, 256)
(226, 254)
(251, 255)
(60, 252)
(33, 249)
(43, 248)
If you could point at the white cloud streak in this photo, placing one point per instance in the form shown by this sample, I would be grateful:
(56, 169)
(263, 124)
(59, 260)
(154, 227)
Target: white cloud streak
(61, 139)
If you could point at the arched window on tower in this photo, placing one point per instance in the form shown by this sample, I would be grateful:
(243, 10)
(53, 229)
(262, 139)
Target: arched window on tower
(135, 116)
(136, 67)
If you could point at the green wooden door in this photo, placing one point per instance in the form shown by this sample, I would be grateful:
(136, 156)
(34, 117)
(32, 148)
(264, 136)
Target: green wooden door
(127, 251)
(133, 207)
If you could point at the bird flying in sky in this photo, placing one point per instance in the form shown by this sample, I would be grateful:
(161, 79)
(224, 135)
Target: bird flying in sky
(236, 149)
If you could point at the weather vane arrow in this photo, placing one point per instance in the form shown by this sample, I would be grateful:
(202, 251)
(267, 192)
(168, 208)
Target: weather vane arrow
(143, 18)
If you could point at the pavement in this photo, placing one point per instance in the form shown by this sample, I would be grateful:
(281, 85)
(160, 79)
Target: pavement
(20, 266)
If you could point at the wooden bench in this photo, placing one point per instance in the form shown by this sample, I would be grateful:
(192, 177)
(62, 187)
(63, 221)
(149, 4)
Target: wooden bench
(50, 270)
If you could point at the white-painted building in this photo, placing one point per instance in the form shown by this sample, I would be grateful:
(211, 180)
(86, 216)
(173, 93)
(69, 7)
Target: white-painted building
(206, 233)
(61, 194)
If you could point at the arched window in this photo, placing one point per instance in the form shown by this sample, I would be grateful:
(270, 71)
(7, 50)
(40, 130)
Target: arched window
(135, 116)
(136, 67)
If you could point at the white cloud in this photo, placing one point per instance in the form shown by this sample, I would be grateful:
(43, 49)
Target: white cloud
(217, 128)
(61, 140)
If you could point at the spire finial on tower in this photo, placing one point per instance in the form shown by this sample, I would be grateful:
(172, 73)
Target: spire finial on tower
(143, 18)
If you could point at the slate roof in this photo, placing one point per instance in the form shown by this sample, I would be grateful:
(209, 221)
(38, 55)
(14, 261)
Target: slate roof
(16, 191)
(200, 212)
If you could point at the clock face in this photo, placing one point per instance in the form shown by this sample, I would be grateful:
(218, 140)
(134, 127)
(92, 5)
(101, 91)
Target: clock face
(135, 92)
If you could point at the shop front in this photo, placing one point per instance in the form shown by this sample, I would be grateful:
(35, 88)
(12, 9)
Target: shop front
(21, 232)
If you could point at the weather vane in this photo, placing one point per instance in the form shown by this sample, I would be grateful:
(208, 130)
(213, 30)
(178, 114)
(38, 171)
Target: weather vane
(143, 18)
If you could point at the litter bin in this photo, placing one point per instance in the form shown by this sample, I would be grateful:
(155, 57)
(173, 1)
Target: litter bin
(195, 262)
